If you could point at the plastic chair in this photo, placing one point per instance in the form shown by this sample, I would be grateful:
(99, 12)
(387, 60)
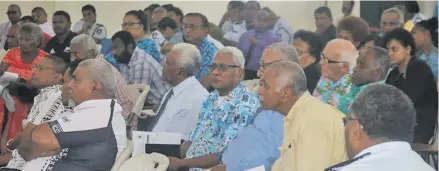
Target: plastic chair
(123, 156)
(106, 46)
(146, 162)
(252, 85)
(138, 93)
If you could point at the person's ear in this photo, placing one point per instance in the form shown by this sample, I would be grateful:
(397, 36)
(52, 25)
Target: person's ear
(408, 50)
(59, 77)
(356, 130)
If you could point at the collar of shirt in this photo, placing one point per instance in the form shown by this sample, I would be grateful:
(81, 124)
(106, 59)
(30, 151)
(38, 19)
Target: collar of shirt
(343, 82)
(186, 84)
(387, 146)
(231, 96)
(95, 103)
(204, 42)
(50, 88)
(305, 97)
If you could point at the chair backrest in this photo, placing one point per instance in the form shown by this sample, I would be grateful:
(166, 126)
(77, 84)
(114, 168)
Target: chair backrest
(138, 93)
(252, 85)
(106, 46)
(123, 156)
(428, 152)
(146, 162)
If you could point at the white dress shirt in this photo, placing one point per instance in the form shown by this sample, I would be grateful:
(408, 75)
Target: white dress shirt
(4, 28)
(182, 109)
(97, 31)
(284, 31)
(396, 155)
(235, 30)
(47, 28)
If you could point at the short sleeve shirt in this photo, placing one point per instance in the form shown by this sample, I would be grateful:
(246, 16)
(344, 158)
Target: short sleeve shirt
(97, 31)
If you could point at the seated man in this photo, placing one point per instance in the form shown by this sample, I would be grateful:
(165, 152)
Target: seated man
(182, 63)
(86, 138)
(337, 60)
(313, 130)
(47, 77)
(371, 68)
(83, 47)
(379, 128)
(225, 111)
(138, 67)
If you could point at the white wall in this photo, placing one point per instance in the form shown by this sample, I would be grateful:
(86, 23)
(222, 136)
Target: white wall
(110, 13)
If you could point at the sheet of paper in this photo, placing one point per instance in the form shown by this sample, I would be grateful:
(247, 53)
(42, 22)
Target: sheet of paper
(140, 138)
(259, 168)
(8, 77)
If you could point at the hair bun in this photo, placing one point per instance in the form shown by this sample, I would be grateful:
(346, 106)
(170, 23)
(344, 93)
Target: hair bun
(432, 22)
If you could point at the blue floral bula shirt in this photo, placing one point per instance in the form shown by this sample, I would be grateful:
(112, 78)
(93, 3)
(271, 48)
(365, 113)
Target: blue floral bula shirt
(149, 46)
(218, 124)
(208, 51)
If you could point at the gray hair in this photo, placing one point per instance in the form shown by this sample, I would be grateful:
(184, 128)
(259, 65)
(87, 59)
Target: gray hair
(159, 10)
(290, 74)
(396, 11)
(382, 60)
(238, 57)
(287, 51)
(86, 42)
(385, 112)
(101, 71)
(189, 58)
(34, 31)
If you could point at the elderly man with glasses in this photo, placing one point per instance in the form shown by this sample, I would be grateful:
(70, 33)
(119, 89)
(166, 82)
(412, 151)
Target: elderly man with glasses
(14, 15)
(337, 60)
(225, 111)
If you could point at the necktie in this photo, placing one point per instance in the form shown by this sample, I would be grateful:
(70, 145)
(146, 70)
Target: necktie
(160, 111)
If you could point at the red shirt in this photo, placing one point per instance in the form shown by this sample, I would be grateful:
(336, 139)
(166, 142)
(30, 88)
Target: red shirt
(46, 38)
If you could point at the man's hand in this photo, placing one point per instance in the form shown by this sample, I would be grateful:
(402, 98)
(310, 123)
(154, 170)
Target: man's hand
(253, 40)
(219, 168)
(175, 163)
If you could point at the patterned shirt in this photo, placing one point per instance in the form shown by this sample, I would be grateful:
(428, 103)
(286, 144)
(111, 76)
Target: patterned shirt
(219, 121)
(208, 51)
(143, 69)
(329, 92)
(150, 47)
(346, 101)
(122, 95)
(110, 58)
(431, 60)
(47, 107)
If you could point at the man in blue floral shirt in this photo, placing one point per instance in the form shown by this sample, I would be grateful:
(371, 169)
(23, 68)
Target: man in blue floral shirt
(195, 29)
(226, 110)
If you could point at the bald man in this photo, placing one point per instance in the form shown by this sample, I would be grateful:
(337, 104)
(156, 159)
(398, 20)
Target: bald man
(13, 36)
(40, 17)
(337, 61)
(14, 15)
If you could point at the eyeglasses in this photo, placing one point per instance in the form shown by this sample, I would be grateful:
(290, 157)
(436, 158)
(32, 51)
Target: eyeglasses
(11, 12)
(221, 67)
(300, 52)
(191, 26)
(264, 65)
(129, 24)
(347, 119)
(324, 58)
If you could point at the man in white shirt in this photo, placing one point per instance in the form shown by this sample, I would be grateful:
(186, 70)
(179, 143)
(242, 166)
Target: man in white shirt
(88, 25)
(40, 17)
(182, 63)
(87, 139)
(378, 131)
(235, 26)
(14, 16)
(280, 27)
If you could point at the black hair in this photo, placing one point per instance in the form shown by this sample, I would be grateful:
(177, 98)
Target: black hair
(28, 17)
(204, 21)
(151, 7)
(354, 25)
(315, 43)
(377, 41)
(89, 7)
(63, 13)
(167, 22)
(431, 25)
(39, 9)
(412, 7)
(237, 5)
(142, 17)
(125, 36)
(177, 12)
(168, 6)
(325, 10)
(254, 1)
(59, 64)
(402, 36)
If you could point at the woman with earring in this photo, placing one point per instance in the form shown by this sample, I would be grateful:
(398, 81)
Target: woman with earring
(415, 78)
(425, 34)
